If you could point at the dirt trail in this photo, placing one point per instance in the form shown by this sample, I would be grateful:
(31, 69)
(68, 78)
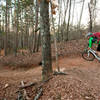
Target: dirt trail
(64, 63)
(70, 64)
(88, 72)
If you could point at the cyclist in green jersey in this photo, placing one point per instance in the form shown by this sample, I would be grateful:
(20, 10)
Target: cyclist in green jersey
(94, 38)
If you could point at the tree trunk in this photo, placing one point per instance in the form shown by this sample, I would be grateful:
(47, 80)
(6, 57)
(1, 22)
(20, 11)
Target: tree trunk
(90, 27)
(64, 22)
(38, 41)
(81, 13)
(6, 29)
(0, 22)
(73, 12)
(55, 43)
(68, 20)
(45, 39)
(36, 26)
(60, 31)
(16, 26)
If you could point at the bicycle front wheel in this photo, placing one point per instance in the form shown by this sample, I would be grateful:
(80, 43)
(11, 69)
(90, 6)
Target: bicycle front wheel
(88, 56)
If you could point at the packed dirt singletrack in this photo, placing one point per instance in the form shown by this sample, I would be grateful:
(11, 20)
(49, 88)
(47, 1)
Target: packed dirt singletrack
(76, 68)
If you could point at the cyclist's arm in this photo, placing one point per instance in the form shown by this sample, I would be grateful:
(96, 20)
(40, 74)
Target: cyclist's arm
(90, 42)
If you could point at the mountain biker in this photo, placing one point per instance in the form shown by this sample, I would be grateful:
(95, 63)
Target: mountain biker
(94, 38)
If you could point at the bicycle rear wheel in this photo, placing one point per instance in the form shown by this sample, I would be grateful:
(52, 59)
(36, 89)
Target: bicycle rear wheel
(88, 56)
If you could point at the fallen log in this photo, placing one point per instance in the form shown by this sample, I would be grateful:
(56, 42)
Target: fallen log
(28, 85)
(40, 88)
(25, 93)
(20, 95)
(39, 94)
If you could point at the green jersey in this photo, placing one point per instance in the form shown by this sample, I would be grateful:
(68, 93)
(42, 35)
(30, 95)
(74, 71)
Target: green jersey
(91, 42)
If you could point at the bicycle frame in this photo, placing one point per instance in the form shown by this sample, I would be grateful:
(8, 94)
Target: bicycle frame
(94, 53)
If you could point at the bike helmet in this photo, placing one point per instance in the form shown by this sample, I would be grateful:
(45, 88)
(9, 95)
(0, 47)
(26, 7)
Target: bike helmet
(88, 34)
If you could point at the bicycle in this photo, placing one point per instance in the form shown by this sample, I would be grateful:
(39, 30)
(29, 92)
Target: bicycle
(90, 55)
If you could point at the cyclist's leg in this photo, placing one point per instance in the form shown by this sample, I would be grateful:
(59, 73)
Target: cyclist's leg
(98, 49)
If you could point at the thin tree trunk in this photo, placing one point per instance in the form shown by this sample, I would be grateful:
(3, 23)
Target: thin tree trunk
(36, 26)
(9, 39)
(38, 41)
(0, 32)
(59, 38)
(26, 31)
(6, 29)
(60, 33)
(73, 12)
(55, 43)
(68, 20)
(66, 10)
(64, 22)
(0, 22)
(90, 27)
(81, 13)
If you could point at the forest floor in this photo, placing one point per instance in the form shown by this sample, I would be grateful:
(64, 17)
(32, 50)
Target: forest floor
(81, 82)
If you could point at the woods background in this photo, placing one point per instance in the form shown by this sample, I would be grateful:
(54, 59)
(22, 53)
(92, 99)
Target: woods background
(20, 23)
